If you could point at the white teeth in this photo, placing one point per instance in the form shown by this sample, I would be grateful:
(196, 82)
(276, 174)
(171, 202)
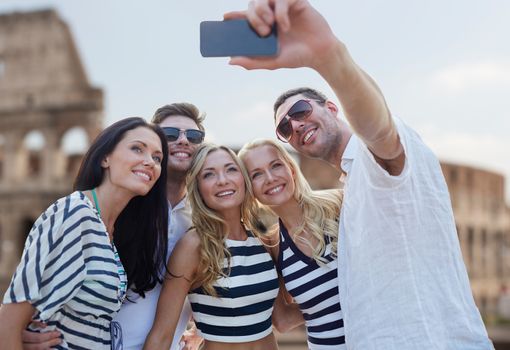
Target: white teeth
(144, 175)
(225, 193)
(308, 135)
(181, 155)
(277, 189)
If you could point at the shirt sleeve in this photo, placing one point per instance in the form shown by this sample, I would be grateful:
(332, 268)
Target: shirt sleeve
(52, 267)
(378, 177)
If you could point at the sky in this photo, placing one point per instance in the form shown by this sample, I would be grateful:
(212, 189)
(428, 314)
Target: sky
(443, 66)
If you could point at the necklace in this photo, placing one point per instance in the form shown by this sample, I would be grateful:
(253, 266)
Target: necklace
(96, 203)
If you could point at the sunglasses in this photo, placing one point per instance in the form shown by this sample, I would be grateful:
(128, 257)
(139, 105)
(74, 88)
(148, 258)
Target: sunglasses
(193, 135)
(299, 111)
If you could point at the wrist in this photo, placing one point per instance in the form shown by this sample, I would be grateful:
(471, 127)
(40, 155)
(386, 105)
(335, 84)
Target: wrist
(335, 63)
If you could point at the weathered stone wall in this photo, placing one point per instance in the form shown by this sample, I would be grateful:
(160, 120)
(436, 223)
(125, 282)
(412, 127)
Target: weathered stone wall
(43, 90)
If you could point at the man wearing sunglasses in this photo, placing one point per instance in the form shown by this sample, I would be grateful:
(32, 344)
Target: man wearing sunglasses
(182, 125)
(402, 282)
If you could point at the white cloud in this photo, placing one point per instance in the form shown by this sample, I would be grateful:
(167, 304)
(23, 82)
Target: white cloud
(465, 76)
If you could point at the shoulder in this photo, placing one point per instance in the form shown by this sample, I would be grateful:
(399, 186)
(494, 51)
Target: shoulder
(188, 246)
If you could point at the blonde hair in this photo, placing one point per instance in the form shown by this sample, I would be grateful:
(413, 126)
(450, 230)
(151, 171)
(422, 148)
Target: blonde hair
(321, 209)
(211, 228)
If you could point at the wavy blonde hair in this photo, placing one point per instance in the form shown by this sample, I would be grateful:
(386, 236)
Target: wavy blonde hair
(321, 208)
(211, 228)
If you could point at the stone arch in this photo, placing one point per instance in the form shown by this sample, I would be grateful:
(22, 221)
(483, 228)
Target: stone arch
(74, 144)
(32, 153)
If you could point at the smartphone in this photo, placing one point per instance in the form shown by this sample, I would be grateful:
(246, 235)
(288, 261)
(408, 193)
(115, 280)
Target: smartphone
(235, 38)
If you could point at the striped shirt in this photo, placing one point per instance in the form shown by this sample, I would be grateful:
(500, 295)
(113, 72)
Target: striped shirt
(68, 272)
(242, 310)
(315, 288)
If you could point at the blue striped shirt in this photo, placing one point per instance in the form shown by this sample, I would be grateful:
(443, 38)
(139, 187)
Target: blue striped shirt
(315, 288)
(242, 310)
(69, 273)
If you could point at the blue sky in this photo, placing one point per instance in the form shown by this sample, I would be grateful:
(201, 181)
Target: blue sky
(444, 66)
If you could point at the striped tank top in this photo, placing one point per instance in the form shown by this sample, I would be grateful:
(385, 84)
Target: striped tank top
(242, 310)
(314, 287)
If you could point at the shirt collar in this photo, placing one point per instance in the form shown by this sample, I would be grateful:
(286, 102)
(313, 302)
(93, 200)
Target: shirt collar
(348, 155)
(350, 149)
(183, 203)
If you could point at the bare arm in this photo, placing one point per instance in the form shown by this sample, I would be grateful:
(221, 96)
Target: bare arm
(286, 313)
(13, 320)
(182, 264)
(303, 33)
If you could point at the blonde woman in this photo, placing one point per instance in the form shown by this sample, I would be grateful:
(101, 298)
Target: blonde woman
(220, 264)
(306, 246)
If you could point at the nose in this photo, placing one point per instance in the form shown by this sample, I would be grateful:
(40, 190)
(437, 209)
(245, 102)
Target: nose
(222, 178)
(148, 161)
(269, 176)
(297, 125)
(182, 139)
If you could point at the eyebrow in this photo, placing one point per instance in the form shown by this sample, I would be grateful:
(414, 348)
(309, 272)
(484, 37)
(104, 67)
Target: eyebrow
(225, 166)
(145, 145)
(270, 163)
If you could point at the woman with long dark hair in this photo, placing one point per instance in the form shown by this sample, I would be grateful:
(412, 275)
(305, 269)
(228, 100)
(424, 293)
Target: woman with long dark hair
(87, 248)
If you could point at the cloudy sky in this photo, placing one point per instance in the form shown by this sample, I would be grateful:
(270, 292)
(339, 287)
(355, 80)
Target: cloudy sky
(444, 66)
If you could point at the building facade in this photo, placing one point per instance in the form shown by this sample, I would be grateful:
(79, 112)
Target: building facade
(45, 99)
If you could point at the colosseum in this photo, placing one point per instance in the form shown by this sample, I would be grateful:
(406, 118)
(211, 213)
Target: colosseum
(46, 103)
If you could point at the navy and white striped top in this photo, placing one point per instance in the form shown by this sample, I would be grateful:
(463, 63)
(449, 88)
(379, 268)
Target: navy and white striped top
(314, 287)
(68, 272)
(242, 310)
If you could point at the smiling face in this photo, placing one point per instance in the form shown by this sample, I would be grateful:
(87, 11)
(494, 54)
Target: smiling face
(271, 177)
(221, 183)
(180, 151)
(316, 136)
(134, 165)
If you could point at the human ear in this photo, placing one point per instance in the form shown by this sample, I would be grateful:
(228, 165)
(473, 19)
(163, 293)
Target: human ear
(104, 163)
(333, 108)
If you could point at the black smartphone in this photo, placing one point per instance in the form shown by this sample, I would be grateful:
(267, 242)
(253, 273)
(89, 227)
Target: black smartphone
(235, 38)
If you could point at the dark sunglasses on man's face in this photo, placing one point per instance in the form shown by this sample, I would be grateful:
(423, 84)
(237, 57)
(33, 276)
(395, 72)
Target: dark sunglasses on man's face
(193, 135)
(299, 111)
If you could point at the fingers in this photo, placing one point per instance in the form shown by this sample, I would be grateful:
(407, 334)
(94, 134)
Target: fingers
(281, 9)
(253, 62)
(234, 15)
(40, 341)
(261, 17)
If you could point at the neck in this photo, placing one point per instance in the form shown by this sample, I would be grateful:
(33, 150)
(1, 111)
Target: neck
(175, 189)
(335, 158)
(290, 213)
(235, 227)
(111, 202)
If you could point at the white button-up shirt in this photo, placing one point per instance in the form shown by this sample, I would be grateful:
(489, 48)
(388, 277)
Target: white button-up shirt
(402, 281)
(136, 318)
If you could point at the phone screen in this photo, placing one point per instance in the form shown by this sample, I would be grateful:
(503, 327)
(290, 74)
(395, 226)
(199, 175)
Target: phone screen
(235, 38)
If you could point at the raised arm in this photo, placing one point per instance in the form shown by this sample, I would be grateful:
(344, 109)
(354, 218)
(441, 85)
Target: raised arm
(306, 40)
(182, 265)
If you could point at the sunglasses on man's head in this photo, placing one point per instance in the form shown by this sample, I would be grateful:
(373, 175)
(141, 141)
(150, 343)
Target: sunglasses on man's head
(299, 111)
(193, 135)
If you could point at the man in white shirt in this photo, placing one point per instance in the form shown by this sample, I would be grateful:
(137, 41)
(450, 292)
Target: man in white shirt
(182, 124)
(402, 281)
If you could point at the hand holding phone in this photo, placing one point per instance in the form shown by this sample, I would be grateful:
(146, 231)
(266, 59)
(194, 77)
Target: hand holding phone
(235, 38)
